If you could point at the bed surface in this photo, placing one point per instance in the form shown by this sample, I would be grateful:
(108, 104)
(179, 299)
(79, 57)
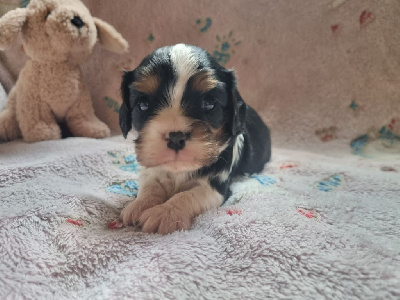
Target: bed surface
(311, 226)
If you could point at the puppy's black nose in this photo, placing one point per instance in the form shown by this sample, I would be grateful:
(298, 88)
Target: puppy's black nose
(76, 21)
(177, 140)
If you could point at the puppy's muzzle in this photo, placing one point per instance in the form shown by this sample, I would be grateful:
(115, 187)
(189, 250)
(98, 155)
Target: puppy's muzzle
(177, 140)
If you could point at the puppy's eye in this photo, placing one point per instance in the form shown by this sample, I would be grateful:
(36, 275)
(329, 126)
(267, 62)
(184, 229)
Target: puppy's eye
(208, 104)
(143, 104)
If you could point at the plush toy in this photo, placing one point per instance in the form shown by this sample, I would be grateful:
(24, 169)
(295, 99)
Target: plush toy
(57, 35)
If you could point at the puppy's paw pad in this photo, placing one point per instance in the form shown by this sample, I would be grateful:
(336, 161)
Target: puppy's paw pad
(164, 219)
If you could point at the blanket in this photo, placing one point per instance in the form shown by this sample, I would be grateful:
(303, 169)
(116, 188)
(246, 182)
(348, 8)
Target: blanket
(313, 225)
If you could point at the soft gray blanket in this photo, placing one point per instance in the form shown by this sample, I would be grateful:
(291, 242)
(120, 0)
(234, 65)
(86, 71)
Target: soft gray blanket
(313, 226)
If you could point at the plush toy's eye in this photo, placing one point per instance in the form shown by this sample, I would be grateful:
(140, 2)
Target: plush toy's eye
(143, 104)
(208, 104)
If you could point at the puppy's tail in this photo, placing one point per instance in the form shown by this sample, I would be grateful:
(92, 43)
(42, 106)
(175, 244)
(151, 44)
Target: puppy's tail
(9, 129)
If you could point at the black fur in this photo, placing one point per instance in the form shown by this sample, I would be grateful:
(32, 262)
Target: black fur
(230, 111)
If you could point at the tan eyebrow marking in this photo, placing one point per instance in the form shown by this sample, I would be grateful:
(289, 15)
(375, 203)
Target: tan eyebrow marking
(148, 84)
(204, 81)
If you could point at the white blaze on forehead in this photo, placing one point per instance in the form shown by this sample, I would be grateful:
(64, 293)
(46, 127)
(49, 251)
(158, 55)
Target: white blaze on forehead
(185, 66)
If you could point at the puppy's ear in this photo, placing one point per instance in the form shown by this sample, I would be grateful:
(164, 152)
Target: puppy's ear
(10, 25)
(110, 38)
(239, 108)
(125, 112)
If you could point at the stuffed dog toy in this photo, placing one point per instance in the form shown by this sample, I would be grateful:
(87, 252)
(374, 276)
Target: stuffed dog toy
(57, 35)
(195, 135)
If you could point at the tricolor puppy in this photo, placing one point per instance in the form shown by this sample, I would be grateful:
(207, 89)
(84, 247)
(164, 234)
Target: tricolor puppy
(195, 134)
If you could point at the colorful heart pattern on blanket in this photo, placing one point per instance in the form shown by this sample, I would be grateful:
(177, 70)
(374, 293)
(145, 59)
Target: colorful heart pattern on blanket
(331, 183)
(264, 180)
(125, 160)
(128, 188)
(309, 213)
(77, 222)
(387, 136)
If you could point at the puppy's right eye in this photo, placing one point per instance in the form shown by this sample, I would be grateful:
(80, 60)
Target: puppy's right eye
(208, 104)
(143, 104)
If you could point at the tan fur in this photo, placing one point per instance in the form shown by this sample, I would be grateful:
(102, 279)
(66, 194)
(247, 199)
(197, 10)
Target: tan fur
(9, 129)
(108, 38)
(50, 87)
(168, 202)
(204, 81)
(201, 149)
(147, 84)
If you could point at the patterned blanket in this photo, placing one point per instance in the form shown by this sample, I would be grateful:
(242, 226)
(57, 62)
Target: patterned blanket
(311, 226)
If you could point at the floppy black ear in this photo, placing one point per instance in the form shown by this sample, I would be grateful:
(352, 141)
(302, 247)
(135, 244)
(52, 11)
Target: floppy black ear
(240, 113)
(125, 112)
(125, 120)
(239, 108)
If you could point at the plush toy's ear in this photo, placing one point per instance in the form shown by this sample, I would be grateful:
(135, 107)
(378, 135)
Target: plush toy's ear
(110, 38)
(10, 25)
(125, 112)
(239, 108)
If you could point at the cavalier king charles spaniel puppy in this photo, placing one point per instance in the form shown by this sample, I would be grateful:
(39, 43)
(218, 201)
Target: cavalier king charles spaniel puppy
(195, 134)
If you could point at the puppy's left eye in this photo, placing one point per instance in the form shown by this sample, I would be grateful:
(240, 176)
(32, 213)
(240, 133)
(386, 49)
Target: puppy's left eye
(143, 104)
(208, 104)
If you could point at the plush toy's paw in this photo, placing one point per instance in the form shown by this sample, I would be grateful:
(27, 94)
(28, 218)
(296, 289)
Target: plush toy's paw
(42, 132)
(165, 218)
(131, 213)
(98, 130)
(92, 129)
(9, 129)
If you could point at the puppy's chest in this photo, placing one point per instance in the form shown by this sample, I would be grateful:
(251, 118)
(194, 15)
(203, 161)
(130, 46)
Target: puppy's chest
(172, 183)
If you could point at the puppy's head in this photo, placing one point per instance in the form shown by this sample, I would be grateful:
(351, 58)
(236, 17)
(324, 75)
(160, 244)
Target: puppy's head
(184, 106)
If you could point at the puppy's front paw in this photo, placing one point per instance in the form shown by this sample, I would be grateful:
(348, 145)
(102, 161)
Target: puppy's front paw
(131, 213)
(165, 218)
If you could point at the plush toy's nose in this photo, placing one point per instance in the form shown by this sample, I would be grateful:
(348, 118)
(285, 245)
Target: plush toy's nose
(76, 21)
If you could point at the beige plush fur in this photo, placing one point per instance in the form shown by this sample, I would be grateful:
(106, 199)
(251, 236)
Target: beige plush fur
(50, 88)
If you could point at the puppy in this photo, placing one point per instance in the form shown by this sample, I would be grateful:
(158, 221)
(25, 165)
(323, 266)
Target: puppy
(195, 134)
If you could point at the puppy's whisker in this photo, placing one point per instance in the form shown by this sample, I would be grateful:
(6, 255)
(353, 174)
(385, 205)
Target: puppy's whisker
(196, 139)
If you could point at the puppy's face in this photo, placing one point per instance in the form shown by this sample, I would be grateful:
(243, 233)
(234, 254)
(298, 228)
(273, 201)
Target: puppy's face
(184, 106)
